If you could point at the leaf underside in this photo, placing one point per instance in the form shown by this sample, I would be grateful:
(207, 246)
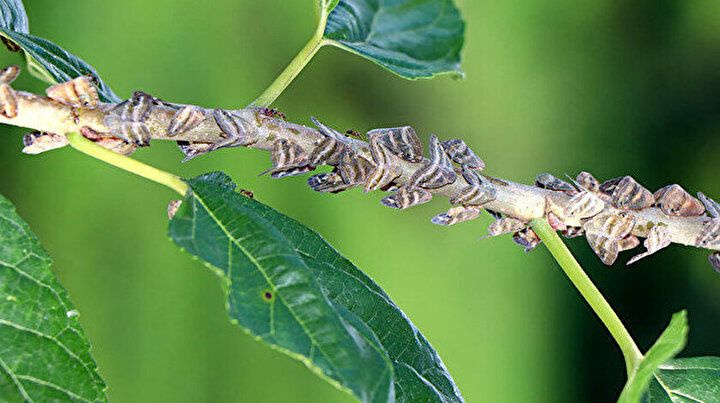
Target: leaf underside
(411, 38)
(287, 286)
(44, 354)
(45, 59)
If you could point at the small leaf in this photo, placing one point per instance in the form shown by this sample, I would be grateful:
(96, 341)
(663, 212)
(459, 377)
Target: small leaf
(414, 367)
(44, 354)
(694, 379)
(411, 38)
(670, 342)
(45, 59)
(327, 5)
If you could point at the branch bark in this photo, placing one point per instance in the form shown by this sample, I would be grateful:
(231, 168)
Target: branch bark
(512, 199)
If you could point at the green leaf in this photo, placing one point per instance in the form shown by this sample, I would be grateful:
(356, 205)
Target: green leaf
(347, 300)
(44, 354)
(327, 5)
(411, 38)
(45, 60)
(694, 379)
(670, 342)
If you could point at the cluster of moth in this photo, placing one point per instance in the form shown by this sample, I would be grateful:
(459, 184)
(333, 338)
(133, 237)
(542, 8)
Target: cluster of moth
(603, 209)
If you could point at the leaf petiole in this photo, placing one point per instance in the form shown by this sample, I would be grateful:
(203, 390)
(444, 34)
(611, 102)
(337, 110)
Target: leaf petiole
(85, 146)
(592, 295)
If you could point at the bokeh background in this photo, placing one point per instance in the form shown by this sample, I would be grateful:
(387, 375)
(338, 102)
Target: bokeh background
(614, 87)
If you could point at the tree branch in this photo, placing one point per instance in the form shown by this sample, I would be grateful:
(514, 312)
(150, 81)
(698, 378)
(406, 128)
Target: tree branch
(143, 118)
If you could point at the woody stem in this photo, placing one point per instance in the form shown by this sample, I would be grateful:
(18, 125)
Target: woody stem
(590, 292)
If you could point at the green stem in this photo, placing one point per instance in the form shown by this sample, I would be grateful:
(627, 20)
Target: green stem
(294, 68)
(592, 295)
(80, 143)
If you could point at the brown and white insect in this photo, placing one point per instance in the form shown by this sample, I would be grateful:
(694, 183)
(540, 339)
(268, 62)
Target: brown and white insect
(457, 215)
(607, 249)
(79, 92)
(627, 193)
(527, 238)
(185, 119)
(9, 74)
(459, 152)
(479, 191)
(406, 197)
(505, 225)
(114, 144)
(573, 232)
(173, 208)
(193, 149)
(614, 225)
(658, 238)
(288, 159)
(39, 142)
(437, 172)
(354, 169)
(128, 119)
(550, 182)
(675, 201)
(555, 222)
(236, 131)
(385, 170)
(627, 243)
(328, 182)
(8, 101)
(712, 207)
(584, 205)
(329, 151)
(587, 181)
(714, 259)
(401, 141)
(710, 234)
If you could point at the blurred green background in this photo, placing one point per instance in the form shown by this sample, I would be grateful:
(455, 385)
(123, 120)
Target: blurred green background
(614, 87)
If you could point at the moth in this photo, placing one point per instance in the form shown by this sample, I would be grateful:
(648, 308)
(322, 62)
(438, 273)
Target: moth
(79, 92)
(173, 208)
(327, 151)
(39, 142)
(479, 191)
(627, 194)
(627, 243)
(437, 172)
(401, 141)
(573, 232)
(605, 248)
(288, 159)
(587, 181)
(710, 234)
(113, 144)
(193, 149)
(385, 170)
(555, 222)
(658, 238)
(328, 131)
(584, 205)
(675, 201)
(614, 225)
(236, 131)
(9, 74)
(505, 225)
(354, 169)
(713, 207)
(406, 197)
(328, 182)
(457, 215)
(128, 119)
(459, 152)
(185, 119)
(527, 238)
(715, 261)
(550, 182)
